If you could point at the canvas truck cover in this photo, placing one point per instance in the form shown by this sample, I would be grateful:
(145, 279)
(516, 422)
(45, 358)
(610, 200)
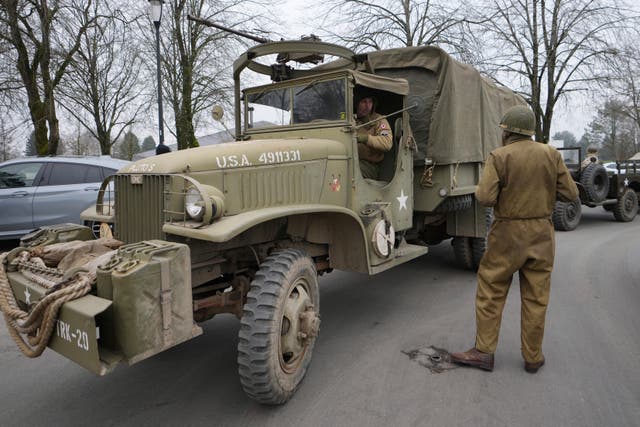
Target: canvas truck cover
(457, 109)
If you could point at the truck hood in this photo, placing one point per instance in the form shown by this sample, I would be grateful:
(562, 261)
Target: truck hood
(239, 154)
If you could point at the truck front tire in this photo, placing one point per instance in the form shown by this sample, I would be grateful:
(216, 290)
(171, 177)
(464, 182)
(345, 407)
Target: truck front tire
(279, 327)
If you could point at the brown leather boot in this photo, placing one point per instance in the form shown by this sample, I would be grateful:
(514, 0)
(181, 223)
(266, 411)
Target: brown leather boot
(474, 358)
(532, 367)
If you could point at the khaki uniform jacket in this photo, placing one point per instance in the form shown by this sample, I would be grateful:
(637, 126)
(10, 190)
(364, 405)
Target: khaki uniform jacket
(523, 179)
(380, 139)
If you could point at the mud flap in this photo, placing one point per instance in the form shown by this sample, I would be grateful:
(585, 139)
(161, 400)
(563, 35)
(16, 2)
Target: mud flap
(470, 222)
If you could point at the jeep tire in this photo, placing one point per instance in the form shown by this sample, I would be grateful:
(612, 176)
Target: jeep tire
(627, 207)
(566, 215)
(279, 327)
(595, 181)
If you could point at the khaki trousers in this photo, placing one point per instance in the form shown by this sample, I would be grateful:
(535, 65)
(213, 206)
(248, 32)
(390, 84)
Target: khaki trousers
(526, 246)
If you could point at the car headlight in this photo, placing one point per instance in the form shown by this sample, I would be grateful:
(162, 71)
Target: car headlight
(194, 204)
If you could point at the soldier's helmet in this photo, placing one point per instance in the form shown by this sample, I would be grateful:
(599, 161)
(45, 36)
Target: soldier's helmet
(520, 120)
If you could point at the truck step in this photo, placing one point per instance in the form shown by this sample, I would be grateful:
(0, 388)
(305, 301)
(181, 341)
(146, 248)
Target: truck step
(405, 252)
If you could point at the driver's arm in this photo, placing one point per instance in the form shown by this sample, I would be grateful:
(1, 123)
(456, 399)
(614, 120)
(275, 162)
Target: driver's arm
(382, 139)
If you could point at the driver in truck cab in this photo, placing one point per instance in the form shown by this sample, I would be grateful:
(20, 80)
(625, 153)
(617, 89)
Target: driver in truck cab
(374, 139)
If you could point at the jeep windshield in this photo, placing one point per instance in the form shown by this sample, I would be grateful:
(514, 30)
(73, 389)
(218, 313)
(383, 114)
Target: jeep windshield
(312, 102)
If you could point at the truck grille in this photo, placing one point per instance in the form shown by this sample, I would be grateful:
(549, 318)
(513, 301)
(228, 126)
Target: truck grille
(139, 208)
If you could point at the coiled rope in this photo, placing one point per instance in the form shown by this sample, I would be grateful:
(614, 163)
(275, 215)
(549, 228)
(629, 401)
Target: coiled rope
(31, 330)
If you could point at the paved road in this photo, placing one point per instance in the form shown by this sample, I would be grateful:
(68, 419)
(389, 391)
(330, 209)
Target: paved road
(361, 376)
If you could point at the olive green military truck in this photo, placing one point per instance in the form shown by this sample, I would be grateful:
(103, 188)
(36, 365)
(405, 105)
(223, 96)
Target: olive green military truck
(246, 227)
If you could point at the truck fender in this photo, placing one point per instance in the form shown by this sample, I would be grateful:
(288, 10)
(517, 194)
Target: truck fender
(336, 226)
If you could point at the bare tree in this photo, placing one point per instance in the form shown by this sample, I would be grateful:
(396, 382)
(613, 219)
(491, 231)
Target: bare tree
(625, 82)
(613, 131)
(45, 35)
(196, 59)
(548, 49)
(395, 23)
(10, 84)
(8, 149)
(80, 143)
(101, 88)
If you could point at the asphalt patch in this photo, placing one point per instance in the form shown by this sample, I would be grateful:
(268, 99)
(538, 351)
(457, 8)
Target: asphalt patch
(437, 360)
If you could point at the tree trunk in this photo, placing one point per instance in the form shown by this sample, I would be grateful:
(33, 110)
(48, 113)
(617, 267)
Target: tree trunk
(54, 128)
(39, 121)
(184, 125)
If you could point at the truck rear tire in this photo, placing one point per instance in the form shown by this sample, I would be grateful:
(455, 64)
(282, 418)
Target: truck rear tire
(566, 215)
(595, 180)
(470, 250)
(279, 327)
(478, 248)
(479, 244)
(463, 251)
(627, 207)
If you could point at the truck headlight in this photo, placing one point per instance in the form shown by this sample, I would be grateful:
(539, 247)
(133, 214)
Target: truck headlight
(194, 204)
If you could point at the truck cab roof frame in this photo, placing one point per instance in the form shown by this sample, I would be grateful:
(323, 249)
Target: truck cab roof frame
(282, 48)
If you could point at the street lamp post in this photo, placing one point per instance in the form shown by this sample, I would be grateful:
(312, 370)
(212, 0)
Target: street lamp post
(155, 12)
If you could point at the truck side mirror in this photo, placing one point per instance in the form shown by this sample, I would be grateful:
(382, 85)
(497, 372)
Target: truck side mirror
(216, 113)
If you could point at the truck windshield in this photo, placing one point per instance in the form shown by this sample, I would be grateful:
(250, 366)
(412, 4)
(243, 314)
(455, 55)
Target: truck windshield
(313, 102)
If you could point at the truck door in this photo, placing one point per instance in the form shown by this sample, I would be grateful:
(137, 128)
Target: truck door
(385, 204)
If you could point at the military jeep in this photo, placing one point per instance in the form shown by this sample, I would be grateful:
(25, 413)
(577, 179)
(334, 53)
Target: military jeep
(618, 193)
(246, 227)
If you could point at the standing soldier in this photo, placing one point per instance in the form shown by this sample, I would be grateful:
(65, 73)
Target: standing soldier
(521, 181)
(374, 139)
